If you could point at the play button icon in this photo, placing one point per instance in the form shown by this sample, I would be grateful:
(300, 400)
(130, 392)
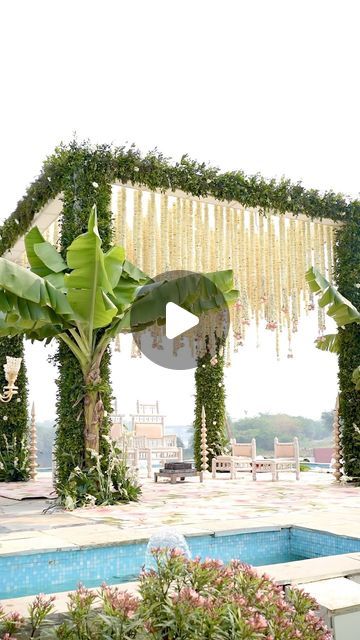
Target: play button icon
(184, 319)
(178, 320)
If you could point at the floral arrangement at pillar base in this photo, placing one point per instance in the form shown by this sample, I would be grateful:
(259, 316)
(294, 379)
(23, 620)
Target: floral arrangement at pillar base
(14, 458)
(181, 600)
(107, 480)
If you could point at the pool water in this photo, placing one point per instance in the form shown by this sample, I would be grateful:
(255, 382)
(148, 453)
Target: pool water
(55, 571)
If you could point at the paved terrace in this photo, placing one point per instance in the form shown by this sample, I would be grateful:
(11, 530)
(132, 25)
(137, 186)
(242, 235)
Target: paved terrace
(193, 509)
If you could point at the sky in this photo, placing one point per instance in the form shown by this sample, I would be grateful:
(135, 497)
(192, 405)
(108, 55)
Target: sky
(268, 87)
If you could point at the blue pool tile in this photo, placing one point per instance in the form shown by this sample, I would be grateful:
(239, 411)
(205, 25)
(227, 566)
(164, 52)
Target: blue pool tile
(64, 570)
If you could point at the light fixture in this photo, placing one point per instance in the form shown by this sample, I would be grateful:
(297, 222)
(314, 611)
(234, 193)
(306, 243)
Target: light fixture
(11, 369)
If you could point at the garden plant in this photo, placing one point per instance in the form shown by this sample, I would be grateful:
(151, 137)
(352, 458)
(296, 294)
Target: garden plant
(181, 599)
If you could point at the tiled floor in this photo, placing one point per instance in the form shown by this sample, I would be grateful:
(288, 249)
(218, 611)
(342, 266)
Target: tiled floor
(191, 507)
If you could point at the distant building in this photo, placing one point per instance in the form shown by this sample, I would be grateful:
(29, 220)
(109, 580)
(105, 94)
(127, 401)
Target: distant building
(323, 454)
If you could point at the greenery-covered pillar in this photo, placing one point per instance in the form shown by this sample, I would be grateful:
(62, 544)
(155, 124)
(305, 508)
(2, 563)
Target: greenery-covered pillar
(210, 393)
(87, 181)
(14, 419)
(348, 282)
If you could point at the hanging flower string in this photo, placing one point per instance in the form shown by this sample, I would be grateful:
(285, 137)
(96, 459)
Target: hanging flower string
(269, 256)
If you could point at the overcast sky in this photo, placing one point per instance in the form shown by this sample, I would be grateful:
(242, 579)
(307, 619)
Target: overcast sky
(269, 87)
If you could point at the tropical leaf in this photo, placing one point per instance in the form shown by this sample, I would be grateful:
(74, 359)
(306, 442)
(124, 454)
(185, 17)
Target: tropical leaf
(12, 324)
(57, 280)
(31, 239)
(48, 255)
(103, 308)
(195, 292)
(129, 286)
(86, 259)
(113, 261)
(93, 290)
(88, 282)
(329, 342)
(124, 294)
(135, 273)
(24, 284)
(340, 309)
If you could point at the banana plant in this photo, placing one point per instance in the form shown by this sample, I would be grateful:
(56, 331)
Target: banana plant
(87, 299)
(339, 308)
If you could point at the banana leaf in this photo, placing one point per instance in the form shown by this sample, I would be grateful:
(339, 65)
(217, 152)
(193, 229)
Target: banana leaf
(195, 292)
(329, 342)
(340, 309)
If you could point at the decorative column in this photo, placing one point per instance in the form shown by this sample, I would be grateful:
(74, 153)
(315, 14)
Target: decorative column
(33, 448)
(204, 449)
(337, 443)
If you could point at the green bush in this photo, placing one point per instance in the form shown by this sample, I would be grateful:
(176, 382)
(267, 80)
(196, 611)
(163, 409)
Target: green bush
(182, 600)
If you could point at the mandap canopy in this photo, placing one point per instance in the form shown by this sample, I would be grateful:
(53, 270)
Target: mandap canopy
(188, 215)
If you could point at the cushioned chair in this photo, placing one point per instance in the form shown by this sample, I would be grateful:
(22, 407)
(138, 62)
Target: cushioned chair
(243, 455)
(287, 457)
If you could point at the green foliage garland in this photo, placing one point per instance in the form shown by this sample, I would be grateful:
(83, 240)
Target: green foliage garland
(85, 182)
(210, 393)
(157, 172)
(14, 419)
(348, 280)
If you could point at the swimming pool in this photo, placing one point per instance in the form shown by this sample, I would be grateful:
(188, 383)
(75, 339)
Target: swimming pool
(32, 573)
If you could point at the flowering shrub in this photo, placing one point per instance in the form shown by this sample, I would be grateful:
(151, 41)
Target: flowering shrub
(182, 600)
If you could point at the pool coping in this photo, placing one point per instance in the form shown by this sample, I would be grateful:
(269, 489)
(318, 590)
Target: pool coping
(24, 546)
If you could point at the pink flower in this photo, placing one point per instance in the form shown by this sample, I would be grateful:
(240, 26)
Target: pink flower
(258, 622)
(209, 563)
(121, 601)
(176, 553)
(15, 616)
(271, 325)
(192, 598)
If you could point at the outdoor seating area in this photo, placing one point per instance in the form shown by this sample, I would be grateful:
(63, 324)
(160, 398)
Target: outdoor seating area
(146, 441)
(243, 458)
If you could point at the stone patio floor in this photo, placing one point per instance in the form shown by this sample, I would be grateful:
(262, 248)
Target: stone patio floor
(316, 501)
(222, 504)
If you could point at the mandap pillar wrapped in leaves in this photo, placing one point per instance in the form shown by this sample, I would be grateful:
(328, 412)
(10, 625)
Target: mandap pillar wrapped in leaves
(85, 181)
(347, 318)
(210, 396)
(14, 418)
(84, 300)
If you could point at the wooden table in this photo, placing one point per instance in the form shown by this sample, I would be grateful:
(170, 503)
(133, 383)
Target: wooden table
(174, 474)
(268, 465)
